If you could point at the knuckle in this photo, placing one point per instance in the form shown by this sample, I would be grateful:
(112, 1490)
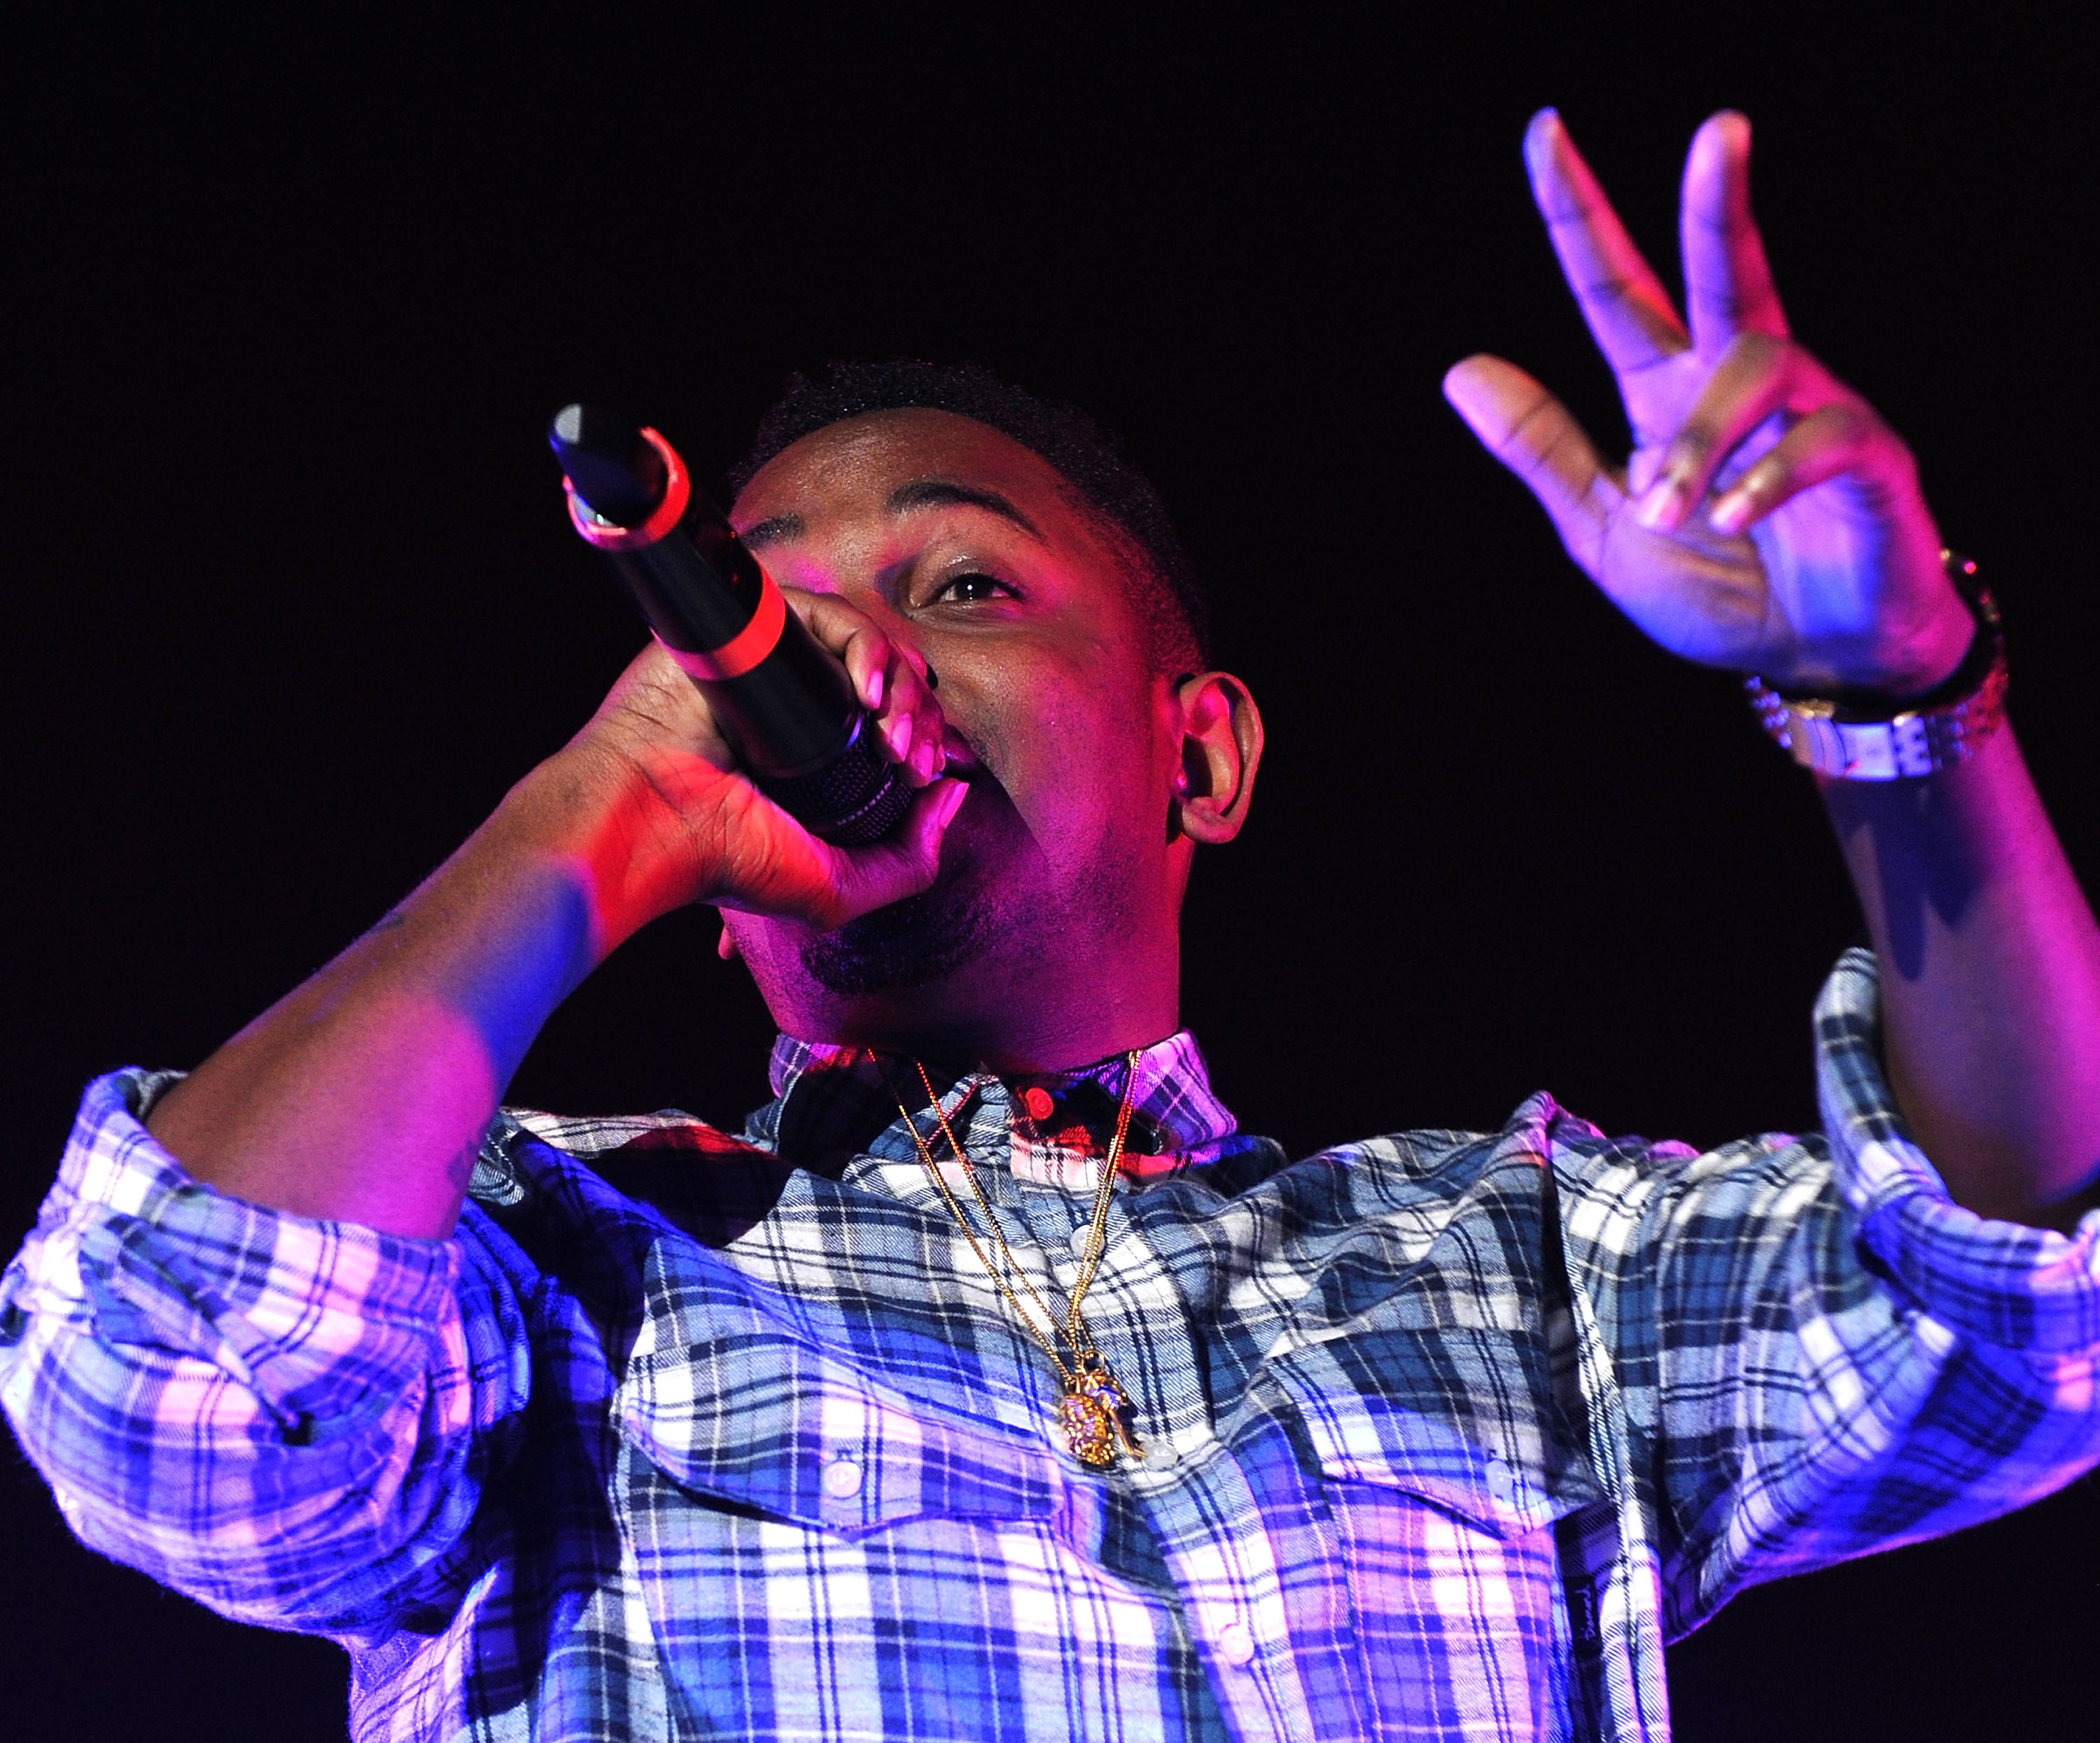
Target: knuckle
(828, 613)
(1845, 418)
(1691, 444)
(1768, 478)
(1756, 352)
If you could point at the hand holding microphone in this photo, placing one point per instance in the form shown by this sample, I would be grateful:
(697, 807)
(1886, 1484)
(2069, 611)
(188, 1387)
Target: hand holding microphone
(777, 703)
(786, 707)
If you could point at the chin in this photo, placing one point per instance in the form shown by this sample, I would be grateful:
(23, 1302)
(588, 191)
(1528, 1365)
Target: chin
(923, 938)
(998, 896)
(929, 936)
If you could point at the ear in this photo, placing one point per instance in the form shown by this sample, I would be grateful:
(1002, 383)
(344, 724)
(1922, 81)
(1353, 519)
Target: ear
(1221, 750)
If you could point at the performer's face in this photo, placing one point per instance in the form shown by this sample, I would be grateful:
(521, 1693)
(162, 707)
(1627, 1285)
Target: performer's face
(969, 548)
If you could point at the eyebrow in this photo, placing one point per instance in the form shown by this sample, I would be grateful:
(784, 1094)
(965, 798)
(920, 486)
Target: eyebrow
(907, 498)
(940, 493)
(772, 530)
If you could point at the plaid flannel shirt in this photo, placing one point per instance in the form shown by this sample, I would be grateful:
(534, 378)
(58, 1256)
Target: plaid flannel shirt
(684, 1434)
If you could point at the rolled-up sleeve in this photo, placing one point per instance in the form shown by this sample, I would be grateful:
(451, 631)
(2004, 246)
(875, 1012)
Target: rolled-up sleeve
(2011, 1312)
(1814, 1352)
(286, 1419)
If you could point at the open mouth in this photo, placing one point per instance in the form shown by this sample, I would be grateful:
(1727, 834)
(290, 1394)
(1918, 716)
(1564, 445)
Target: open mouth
(964, 764)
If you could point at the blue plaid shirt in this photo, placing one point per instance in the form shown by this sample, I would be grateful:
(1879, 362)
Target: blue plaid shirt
(685, 1435)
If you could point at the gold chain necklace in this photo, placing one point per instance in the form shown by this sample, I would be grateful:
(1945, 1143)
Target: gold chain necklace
(1092, 1408)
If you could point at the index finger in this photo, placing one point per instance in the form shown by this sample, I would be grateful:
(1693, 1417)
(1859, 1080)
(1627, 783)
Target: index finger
(1628, 312)
(887, 678)
(850, 636)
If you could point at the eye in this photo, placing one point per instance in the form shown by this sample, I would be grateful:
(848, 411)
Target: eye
(974, 588)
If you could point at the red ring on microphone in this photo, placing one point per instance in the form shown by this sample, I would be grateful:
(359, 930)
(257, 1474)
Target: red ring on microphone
(677, 492)
(748, 647)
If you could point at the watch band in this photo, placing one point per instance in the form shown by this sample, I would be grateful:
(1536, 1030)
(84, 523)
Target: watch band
(1865, 737)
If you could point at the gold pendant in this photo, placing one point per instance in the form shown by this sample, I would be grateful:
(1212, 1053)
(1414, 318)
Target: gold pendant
(1091, 1412)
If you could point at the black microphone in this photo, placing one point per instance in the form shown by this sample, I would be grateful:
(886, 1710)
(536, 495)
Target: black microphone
(786, 706)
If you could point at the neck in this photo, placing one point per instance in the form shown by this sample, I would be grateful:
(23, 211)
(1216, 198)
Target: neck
(1060, 1009)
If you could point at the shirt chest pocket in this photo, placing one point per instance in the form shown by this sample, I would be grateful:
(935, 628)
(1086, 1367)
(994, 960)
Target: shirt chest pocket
(755, 1417)
(1447, 1470)
(1461, 1418)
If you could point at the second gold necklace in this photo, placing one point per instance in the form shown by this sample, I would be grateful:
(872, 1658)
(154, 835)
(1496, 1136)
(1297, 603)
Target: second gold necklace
(1092, 1410)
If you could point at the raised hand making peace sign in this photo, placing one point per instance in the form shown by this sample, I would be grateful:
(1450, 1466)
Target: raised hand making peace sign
(1768, 520)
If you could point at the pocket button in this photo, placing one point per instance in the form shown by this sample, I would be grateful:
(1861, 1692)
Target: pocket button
(841, 1479)
(1501, 1481)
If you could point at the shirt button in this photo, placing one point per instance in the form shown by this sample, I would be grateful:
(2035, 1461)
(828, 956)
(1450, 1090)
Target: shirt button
(1037, 1100)
(1236, 1646)
(1501, 1481)
(841, 1479)
(1159, 1456)
(1083, 1237)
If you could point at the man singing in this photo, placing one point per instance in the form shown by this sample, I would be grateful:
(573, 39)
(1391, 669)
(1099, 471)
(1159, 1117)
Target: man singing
(990, 1383)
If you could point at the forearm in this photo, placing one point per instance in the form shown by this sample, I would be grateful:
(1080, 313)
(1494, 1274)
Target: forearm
(291, 1442)
(1990, 980)
(363, 1094)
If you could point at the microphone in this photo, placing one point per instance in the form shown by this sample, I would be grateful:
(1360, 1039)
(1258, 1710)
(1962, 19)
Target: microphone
(786, 706)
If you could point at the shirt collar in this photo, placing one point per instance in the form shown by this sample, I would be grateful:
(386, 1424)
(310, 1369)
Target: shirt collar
(832, 1103)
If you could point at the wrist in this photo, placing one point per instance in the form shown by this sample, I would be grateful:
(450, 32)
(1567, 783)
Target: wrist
(1873, 734)
(615, 833)
(1930, 663)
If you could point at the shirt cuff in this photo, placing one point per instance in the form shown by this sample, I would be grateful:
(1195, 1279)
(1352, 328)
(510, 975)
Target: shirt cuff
(319, 1319)
(2004, 1283)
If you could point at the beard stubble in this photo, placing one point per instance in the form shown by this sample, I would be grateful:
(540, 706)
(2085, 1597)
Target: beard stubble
(969, 909)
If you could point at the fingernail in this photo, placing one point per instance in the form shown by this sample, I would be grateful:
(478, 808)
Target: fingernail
(1658, 505)
(897, 735)
(952, 794)
(875, 688)
(1732, 514)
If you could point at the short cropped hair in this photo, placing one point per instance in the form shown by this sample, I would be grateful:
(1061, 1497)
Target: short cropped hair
(1169, 594)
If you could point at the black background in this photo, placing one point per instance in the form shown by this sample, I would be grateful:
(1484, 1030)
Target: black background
(289, 600)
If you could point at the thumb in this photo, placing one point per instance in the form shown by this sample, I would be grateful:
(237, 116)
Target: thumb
(1532, 434)
(907, 863)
